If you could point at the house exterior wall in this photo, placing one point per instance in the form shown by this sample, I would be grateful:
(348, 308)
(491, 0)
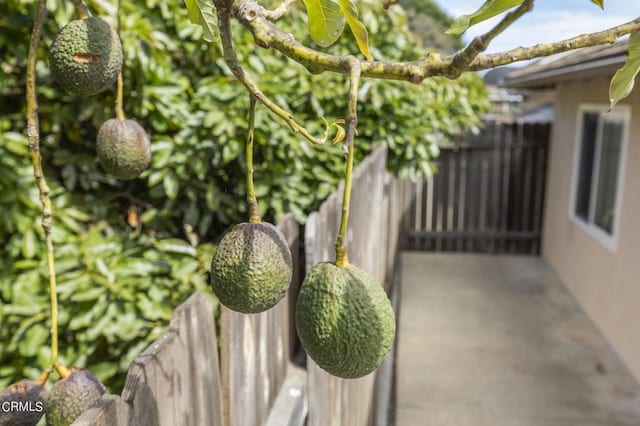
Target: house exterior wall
(606, 283)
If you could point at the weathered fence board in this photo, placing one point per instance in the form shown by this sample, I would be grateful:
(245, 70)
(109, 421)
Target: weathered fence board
(174, 381)
(487, 195)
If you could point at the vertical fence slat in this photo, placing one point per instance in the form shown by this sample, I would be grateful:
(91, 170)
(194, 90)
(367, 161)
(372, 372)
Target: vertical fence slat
(487, 194)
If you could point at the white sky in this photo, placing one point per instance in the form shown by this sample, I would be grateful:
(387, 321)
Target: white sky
(550, 20)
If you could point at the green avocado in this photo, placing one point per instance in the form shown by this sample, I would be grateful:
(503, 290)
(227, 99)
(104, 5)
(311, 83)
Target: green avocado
(72, 396)
(251, 268)
(86, 56)
(344, 320)
(123, 148)
(22, 404)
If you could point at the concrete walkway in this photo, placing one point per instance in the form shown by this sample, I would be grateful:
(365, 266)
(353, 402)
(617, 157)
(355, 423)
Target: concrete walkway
(498, 341)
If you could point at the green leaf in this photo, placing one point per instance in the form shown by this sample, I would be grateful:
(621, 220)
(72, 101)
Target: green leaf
(175, 245)
(599, 3)
(29, 244)
(488, 10)
(202, 12)
(171, 185)
(359, 31)
(326, 21)
(623, 80)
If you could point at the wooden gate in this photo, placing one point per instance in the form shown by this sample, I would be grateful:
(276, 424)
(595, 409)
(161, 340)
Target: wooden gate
(488, 193)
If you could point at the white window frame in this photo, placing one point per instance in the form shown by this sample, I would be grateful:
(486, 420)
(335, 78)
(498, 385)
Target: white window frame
(610, 241)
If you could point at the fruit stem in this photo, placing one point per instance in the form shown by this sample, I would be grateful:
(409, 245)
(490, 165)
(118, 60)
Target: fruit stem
(119, 111)
(342, 259)
(33, 135)
(120, 84)
(81, 9)
(254, 217)
(43, 377)
(62, 371)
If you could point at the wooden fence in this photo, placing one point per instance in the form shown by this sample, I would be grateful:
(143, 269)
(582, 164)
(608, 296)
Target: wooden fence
(487, 195)
(182, 379)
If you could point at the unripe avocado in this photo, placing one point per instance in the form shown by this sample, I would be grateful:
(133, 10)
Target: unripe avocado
(72, 396)
(86, 56)
(123, 148)
(22, 404)
(344, 320)
(251, 268)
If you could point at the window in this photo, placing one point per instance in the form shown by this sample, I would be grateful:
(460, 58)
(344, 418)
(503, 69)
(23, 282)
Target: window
(598, 170)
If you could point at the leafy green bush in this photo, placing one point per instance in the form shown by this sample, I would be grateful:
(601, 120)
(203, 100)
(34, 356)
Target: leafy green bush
(127, 253)
(116, 289)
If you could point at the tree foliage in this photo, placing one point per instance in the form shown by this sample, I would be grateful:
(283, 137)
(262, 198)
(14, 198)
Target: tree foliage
(129, 252)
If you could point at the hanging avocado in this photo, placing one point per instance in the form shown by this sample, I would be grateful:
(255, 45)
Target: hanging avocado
(86, 56)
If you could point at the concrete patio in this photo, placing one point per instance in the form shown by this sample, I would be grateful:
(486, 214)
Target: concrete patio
(498, 341)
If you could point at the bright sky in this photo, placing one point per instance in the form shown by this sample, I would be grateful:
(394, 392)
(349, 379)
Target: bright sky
(550, 20)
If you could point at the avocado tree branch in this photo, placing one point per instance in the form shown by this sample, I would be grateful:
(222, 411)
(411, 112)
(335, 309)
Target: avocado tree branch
(607, 36)
(278, 12)
(464, 57)
(342, 259)
(267, 35)
(33, 136)
(224, 24)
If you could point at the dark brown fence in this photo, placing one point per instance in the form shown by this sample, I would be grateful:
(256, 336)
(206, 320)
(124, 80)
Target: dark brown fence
(184, 379)
(487, 195)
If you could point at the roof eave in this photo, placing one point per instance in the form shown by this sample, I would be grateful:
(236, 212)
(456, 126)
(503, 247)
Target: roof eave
(546, 78)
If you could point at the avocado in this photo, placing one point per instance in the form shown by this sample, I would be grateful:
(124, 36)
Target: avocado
(251, 268)
(123, 148)
(22, 404)
(72, 396)
(85, 58)
(344, 320)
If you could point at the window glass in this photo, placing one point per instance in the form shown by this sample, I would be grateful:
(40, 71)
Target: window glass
(609, 162)
(585, 170)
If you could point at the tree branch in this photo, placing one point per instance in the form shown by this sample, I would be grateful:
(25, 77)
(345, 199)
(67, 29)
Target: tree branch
(278, 12)
(464, 57)
(607, 36)
(267, 35)
(224, 24)
(33, 135)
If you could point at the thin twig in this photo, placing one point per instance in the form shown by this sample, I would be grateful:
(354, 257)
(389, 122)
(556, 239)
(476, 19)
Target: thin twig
(342, 259)
(242, 76)
(252, 201)
(33, 135)
(464, 57)
(278, 12)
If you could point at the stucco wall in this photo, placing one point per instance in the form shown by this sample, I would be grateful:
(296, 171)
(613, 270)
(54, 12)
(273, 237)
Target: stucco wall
(607, 284)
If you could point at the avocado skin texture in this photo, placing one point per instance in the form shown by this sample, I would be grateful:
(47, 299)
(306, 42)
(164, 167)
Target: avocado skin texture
(72, 396)
(251, 268)
(123, 148)
(86, 56)
(344, 320)
(29, 394)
